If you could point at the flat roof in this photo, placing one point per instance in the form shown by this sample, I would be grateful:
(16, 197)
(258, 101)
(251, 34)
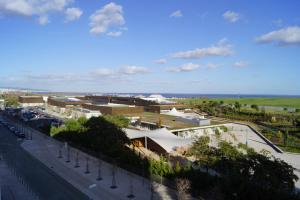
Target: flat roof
(85, 110)
(113, 105)
(66, 99)
(31, 96)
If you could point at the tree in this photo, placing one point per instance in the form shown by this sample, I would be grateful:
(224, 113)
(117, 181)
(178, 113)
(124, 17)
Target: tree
(255, 107)
(177, 168)
(118, 120)
(285, 137)
(279, 135)
(228, 151)
(237, 105)
(11, 100)
(296, 122)
(202, 151)
(161, 167)
(269, 177)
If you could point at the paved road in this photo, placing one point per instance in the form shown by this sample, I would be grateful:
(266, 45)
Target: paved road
(46, 149)
(11, 187)
(39, 180)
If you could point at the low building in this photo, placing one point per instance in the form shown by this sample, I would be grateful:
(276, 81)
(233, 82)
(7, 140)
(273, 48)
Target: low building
(64, 102)
(31, 101)
(166, 107)
(114, 109)
(81, 112)
(62, 105)
(189, 117)
(195, 120)
(161, 141)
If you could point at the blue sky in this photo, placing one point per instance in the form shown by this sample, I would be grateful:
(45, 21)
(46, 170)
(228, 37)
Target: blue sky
(174, 46)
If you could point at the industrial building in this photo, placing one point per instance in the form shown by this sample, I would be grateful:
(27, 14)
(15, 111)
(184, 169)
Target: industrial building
(81, 112)
(114, 109)
(31, 101)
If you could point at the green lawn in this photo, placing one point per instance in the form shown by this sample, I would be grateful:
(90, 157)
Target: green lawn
(279, 102)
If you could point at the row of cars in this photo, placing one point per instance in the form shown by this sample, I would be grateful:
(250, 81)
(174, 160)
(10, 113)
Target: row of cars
(13, 129)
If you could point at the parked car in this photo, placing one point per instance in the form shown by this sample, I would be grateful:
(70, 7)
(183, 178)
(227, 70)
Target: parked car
(12, 128)
(19, 134)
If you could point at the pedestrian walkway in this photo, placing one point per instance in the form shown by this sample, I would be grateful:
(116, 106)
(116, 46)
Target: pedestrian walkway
(82, 171)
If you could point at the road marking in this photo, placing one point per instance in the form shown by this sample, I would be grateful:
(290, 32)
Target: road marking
(92, 186)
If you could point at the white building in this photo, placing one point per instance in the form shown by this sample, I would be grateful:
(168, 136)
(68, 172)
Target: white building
(81, 112)
(188, 117)
(158, 99)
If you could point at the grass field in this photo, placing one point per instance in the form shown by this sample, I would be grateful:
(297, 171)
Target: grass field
(277, 102)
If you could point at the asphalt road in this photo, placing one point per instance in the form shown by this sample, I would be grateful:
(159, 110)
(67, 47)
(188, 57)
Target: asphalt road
(38, 178)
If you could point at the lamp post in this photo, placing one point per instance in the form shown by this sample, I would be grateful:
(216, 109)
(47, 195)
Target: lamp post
(77, 160)
(247, 138)
(99, 177)
(87, 170)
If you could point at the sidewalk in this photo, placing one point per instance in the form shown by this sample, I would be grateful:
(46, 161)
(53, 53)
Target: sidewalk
(46, 149)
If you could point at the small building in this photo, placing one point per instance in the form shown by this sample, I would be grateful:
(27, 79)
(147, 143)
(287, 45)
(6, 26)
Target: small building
(161, 141)
(189, 117)
(81, 112)
(166, 107)
(61, 105)
(31, 101)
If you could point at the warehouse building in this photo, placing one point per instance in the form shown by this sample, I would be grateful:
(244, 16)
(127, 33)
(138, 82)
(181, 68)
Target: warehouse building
(114, 109)
(31, 101)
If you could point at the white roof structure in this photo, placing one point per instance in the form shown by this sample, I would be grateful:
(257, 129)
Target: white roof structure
(158, 99)
(176, 113)
(163, 137)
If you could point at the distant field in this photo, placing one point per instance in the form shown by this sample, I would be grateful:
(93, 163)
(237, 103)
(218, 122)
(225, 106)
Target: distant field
(278, 102)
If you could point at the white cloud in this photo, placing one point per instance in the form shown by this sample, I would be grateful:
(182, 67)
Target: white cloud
(108, 17)
(161, 61)
(133, 70)
(187, 67)
(43, 20)
(102, 72)
(114, 34)
(285, 36)
(176, 14)
(115, 73)
(55, 77)
(222, 48)
(33, 8)
(73, 14)
(231, 16)
(240, 64)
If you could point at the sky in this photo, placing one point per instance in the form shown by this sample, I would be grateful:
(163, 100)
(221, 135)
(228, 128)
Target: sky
(151, 46)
